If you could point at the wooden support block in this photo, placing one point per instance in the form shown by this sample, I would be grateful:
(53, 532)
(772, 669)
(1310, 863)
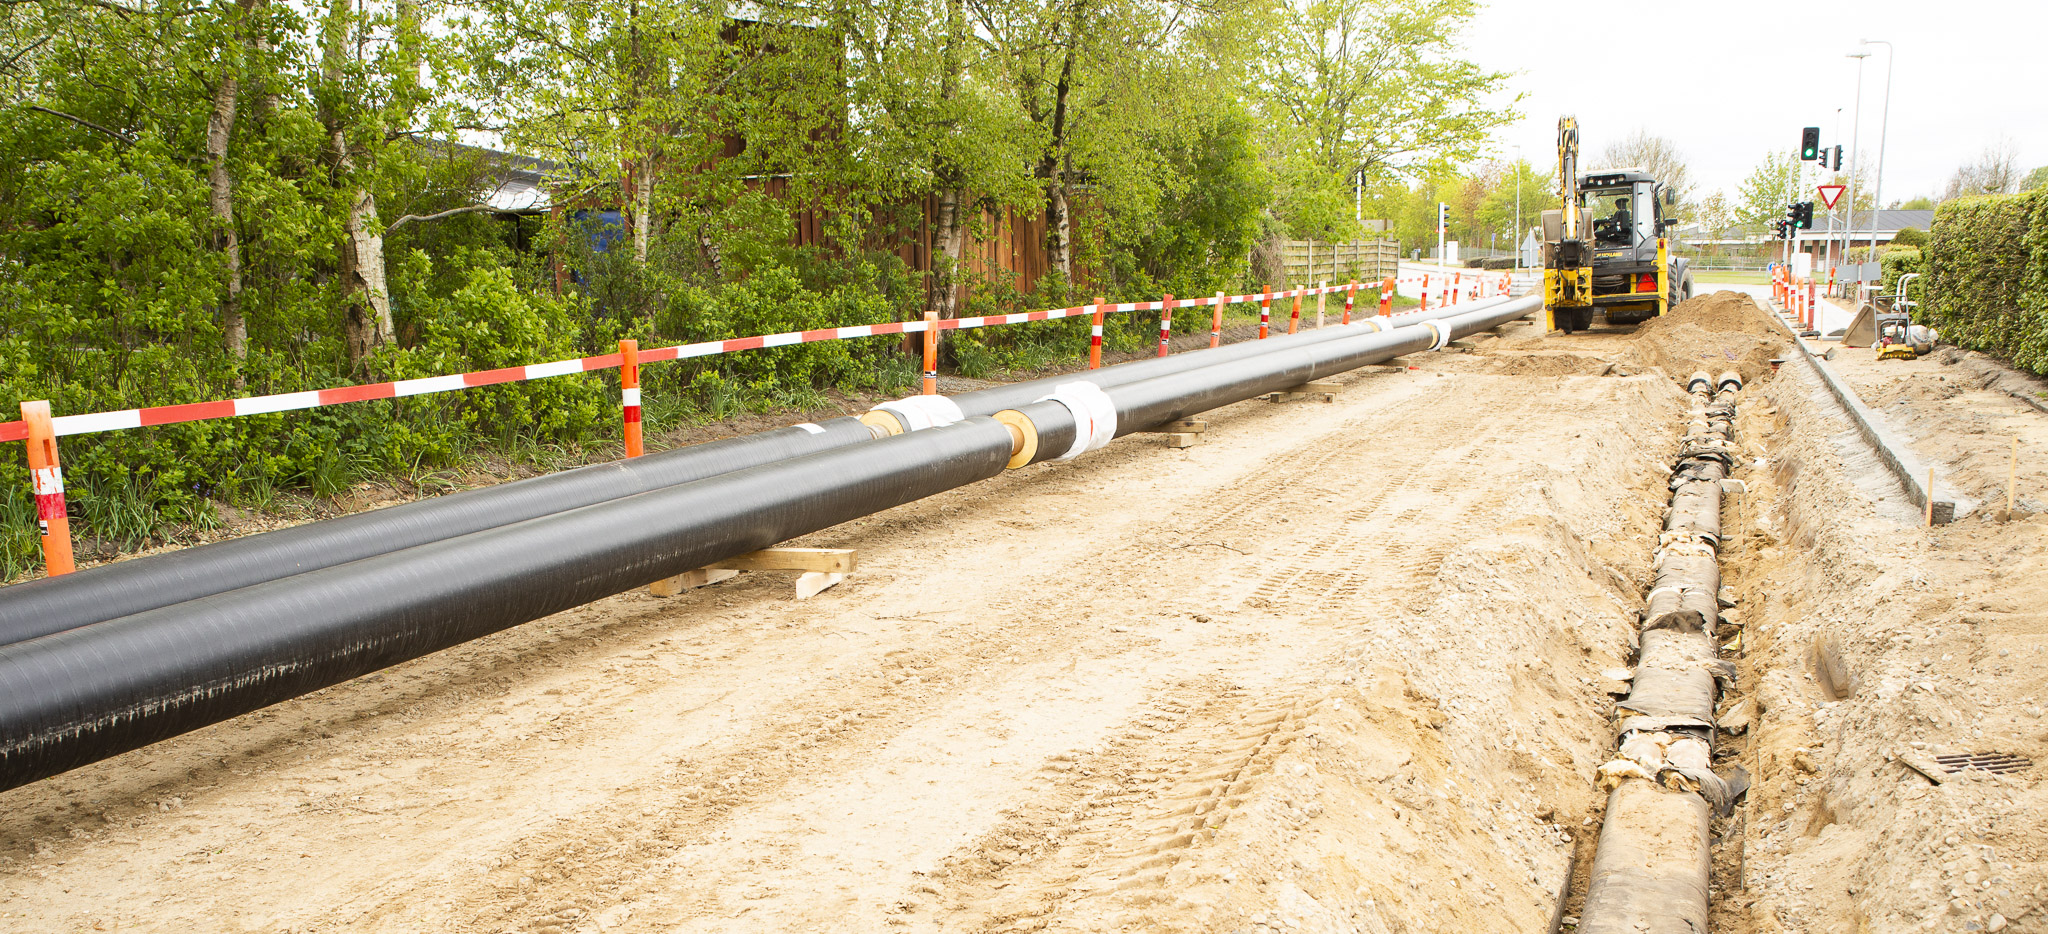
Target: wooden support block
(1326, 389)
(810, 583)
(688, 580)
(822, 560)
(1182, 433)
(821, 567)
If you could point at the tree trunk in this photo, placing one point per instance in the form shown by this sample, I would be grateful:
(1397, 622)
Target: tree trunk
(1059, 217)
(946, 233)
(643, 209)
(946, 246)
(220, 202)
(365, 293)
(1055, 169)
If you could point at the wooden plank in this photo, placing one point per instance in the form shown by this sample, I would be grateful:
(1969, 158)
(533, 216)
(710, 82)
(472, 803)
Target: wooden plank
(688, 580)
(811, 583)
(823, 560)
(1325, 389)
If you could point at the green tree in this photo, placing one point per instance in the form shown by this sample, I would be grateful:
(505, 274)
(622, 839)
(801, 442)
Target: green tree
(1761, 198)
(1365, 90)
(1659, 157)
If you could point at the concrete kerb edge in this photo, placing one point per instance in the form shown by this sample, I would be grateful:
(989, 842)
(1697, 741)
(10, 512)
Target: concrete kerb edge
(1897, 458)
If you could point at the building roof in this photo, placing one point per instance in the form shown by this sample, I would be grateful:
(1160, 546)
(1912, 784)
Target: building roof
(1888, 223)
(522, 182)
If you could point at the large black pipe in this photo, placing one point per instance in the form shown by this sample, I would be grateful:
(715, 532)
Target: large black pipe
(997, 398)
(82, 695)
(55, 604)
(110, 591)
(1148, 404)
(77, 696)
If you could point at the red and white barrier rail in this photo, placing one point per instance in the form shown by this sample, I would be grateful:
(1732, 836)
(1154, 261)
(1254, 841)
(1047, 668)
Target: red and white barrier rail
(397, 389)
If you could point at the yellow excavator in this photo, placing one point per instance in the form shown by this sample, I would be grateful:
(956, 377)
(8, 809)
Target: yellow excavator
(1605, 250)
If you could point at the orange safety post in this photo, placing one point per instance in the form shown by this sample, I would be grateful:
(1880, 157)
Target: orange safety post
(1387, 296)
(1265, 310)
(1457, 286)
(1216, 324)
(931, 353)
(46, 478)
(1813, 306)
(629, 394)
(1350, 292)
(1165, 322)
(1095, 336)
(1425, 291)
(1294, 318)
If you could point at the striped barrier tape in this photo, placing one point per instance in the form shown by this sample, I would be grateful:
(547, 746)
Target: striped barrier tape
(92, 422)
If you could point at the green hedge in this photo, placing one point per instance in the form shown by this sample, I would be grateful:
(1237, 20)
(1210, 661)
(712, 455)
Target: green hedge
(1898, 263)
(1987, 276)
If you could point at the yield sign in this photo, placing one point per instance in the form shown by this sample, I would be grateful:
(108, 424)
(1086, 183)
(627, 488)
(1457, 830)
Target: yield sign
(1829, 194)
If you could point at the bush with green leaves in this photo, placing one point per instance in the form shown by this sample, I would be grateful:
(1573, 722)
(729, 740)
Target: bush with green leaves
(1898, 263)
(1987, 275)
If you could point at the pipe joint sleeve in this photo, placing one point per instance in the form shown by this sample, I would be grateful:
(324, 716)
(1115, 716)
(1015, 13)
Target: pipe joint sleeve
(920, 412)
(1094, 416)
(1442, 332)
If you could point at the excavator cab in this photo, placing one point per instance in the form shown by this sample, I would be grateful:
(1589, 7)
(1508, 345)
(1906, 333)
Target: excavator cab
(1634, 275)
(1606, 252)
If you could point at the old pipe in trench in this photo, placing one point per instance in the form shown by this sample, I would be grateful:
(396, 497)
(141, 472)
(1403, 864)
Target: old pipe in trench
(77, 696)
(1651, 869)
(55, 604)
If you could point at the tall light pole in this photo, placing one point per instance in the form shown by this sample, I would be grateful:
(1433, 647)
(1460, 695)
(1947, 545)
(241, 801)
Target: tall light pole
(1855, 154)
(1884, 124)
(1517, 245)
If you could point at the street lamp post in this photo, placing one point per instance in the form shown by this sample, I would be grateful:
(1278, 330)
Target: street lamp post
(1883, 125)
(1517, 244)
(1855, 155)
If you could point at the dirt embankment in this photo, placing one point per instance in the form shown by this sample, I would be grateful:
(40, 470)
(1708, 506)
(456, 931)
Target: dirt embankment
(1869, 642)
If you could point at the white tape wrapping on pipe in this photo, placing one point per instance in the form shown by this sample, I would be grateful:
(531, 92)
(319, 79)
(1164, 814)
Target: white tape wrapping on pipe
(921, 412)
(1442, 332)
(1094, 416)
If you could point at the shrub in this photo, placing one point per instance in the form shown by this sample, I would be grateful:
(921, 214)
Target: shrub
(1987, 275)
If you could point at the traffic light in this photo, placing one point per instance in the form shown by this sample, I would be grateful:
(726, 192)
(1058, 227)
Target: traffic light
(1809, 143)
(1443, 216)
(1802, 215)
(1838, 158)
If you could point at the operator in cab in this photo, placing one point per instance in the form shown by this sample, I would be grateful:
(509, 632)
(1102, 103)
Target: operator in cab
(1621, 221)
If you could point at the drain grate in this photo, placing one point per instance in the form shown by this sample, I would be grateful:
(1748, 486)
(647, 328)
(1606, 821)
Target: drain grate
(2000, 762)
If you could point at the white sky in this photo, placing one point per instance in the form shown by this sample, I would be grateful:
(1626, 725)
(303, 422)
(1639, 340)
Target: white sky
(1709, 75)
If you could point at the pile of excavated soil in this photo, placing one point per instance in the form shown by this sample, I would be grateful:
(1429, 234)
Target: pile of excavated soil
(1870, 646)
(1715, 332)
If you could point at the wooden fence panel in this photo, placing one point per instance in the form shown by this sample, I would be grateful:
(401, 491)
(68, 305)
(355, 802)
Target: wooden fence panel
(1315, 260)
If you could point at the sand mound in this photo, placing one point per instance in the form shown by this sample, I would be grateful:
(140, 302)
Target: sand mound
(1716, 332)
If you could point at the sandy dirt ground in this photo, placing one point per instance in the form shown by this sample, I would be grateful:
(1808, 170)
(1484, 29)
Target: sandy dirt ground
(1337, 668)
(1871, 645)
